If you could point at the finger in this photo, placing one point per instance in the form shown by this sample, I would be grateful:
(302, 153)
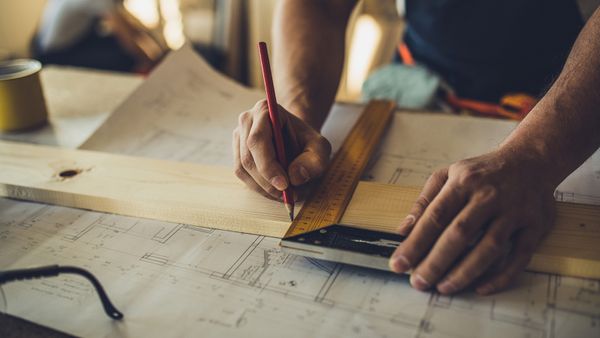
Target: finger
(495, 267)
(435, 219)
(519, 258)
(454, 241)
(260, 145)
(432, 187)
(247, 160)
(262, 106)
(312, 162)
(492, 246)
(239, 170)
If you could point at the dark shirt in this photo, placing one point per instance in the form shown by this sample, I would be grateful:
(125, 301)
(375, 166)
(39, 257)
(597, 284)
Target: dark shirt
(487, 48)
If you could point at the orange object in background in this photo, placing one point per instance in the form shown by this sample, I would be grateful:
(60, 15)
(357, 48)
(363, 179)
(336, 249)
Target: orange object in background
(514, 106)
(405, 54)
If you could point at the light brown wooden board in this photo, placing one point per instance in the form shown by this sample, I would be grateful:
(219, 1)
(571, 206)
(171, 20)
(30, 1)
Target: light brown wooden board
(212, 197)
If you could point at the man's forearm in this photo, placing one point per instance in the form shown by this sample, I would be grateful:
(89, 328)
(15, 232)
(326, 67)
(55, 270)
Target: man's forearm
(308, 55)
(564, 128)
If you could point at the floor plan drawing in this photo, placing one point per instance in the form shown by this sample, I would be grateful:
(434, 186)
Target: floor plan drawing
(224, 282)
(177, 280)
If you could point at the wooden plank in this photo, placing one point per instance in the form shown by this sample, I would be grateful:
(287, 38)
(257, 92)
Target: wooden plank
(142, 187)
(212, 197)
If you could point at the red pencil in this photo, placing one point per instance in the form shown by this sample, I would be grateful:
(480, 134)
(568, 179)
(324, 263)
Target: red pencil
(288, 196)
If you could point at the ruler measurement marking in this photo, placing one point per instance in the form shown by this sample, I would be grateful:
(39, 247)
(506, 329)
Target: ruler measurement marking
(333, 193)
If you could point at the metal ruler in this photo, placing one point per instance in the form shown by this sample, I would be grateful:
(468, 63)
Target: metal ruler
(315, 231)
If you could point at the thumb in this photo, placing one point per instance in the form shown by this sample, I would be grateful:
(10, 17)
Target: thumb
(312, 162)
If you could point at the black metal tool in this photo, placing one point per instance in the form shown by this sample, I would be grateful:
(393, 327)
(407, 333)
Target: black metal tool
(345, 244)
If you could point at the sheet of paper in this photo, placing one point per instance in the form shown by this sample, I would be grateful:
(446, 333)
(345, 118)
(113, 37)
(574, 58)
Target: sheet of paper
(185, 111)
(419, 143)
(583, 185)
(174, 280)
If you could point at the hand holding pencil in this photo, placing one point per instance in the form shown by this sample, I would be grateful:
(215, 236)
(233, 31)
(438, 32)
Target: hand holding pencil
(256, 157)
(280, 151)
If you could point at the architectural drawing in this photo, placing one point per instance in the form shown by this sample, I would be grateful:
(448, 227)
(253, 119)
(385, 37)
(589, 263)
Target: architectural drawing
(406, 157)
(178, 280)
(225, 283)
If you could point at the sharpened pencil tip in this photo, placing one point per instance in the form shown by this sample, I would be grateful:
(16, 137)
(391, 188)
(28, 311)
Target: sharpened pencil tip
(290, 209)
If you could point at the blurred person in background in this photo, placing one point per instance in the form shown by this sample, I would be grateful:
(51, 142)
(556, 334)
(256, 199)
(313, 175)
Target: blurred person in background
(99, 34)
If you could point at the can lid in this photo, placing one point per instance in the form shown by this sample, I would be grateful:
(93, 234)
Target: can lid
(14, 69)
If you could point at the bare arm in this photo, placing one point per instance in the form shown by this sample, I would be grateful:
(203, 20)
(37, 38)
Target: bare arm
(308, 59)
(309, 55)
(564, 128)
(506, 195)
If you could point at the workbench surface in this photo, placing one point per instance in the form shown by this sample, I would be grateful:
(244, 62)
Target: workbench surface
(78, 101)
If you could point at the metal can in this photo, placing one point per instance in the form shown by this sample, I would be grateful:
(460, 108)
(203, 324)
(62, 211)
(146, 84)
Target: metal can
(22, 104)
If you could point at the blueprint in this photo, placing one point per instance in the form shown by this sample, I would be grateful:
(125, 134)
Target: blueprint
(176, 280)
(418, 144)
(186, 111)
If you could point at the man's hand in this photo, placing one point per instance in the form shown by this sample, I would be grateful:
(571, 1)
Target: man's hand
(254, 154)
(476, 222)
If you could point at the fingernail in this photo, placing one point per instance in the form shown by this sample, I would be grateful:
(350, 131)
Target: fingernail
(418, 282)
(446, 287)
(408, 221)
(304, 175)
(279, 182)
(399, 263)
(406, 224)
(485, 290)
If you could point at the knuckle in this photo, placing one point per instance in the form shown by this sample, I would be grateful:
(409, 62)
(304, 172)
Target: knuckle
(244, 118)
(437, 178)
(421, 203)
(247, 162)
(239, 172)
(262, 103)
(485, 192)
(489, 193)
(261, 106)
(457, 167)
(494, 244)
(254, 140)
(461, 232)
(436, 216)
(439, 174)
(469, 176)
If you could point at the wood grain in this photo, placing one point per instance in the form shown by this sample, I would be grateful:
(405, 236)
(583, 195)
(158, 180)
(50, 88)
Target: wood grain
(212, 196)
(142, 187)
